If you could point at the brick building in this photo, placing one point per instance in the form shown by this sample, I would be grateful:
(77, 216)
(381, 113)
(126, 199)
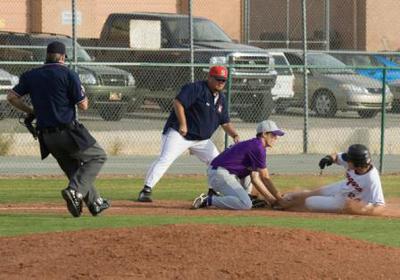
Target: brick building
(355, 24)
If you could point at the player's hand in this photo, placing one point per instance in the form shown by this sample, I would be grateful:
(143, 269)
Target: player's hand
(325, 161)
(182, 130)
(236, 138)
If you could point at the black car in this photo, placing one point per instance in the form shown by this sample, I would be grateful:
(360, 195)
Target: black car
(162, 40)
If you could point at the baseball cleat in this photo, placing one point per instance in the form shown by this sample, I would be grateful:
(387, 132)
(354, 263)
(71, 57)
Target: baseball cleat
(200, 201)
(145, 195)
(99, 206)
(74, 201)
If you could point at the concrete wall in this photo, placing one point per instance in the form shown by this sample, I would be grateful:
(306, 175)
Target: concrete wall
(383, 24)
(15, 15)
(50, 15)
(347, 20)
(361, 24)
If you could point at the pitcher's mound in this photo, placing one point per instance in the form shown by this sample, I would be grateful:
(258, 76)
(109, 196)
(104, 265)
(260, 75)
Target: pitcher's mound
(195, 252)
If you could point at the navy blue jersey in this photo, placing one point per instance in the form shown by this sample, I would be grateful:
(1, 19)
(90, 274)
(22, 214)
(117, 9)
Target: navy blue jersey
(202, 116)
(54, 90)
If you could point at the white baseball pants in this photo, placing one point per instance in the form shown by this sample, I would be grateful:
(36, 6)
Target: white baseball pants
(172, 146)
(332, 198)
(234, 195)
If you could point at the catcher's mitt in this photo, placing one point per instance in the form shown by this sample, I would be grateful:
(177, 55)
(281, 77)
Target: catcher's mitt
(259, 203)
(28, 122)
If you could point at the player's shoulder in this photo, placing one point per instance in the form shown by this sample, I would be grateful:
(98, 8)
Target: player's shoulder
(193, 86)
(374, 172)
(254, 144)
(32, 71)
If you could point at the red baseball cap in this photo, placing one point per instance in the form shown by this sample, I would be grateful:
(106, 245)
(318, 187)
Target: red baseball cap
(219, 72)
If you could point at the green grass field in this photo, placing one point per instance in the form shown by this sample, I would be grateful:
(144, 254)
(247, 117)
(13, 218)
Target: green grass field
(39, 190)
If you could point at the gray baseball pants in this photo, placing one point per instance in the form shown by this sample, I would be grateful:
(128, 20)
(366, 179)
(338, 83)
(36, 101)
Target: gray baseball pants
(81, 167)
(234, 194)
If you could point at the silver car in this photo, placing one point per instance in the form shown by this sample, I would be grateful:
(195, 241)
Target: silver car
(7, 81)
(336, 88)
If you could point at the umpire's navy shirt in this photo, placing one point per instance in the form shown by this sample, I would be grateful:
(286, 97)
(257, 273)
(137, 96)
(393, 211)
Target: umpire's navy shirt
(202, 116)
(54, 90)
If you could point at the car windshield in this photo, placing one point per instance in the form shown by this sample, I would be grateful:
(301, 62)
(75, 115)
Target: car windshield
(334, 66)
(365, 60)
(203, 30)
(81, 54)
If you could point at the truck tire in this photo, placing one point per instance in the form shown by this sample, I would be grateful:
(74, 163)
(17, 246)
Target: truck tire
(395, 106)
(112, 112)
(367, 114)
(3, 111)
(261, 109)
(324, 104)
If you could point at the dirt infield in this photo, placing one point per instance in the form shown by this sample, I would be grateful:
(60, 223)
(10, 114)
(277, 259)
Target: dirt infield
(190, 251)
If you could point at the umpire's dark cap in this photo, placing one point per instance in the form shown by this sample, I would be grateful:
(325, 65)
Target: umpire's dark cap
(56, 47)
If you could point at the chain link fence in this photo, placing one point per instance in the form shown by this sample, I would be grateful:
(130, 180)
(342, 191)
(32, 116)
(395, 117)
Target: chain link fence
(134, 58)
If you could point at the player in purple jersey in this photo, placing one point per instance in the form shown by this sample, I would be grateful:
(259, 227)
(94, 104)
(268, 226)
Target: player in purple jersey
(227, 171)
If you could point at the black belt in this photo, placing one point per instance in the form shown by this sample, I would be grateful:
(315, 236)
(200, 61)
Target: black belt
(58, 128)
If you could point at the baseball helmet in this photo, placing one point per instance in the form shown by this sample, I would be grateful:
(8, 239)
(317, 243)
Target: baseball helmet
(358, 154)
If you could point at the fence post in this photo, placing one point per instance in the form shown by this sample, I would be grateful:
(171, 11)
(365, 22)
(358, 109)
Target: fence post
(191, 40)
(228, 96)
(383, 118)
(305, 88)
(74, 52)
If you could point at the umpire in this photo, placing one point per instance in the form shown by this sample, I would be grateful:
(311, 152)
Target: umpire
(54, 90)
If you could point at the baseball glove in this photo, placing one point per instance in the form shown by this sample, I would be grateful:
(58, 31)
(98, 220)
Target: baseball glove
(30, 125)
(258, 203)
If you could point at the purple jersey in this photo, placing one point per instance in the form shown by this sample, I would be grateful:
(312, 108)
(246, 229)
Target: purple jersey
(242, 158)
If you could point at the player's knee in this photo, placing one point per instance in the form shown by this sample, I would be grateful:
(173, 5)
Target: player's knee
(246, 204)
(166, 160)
(311, 203)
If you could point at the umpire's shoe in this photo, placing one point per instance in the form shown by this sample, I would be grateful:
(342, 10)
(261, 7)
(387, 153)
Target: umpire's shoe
(145, 195)
(99, 206)
(74, 201)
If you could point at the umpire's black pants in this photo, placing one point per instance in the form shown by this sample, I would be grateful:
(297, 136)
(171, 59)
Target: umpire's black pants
(81, 167)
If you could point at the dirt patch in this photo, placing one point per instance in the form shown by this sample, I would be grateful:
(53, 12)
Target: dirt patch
(195, 252)
(176, 208)
(190, 251)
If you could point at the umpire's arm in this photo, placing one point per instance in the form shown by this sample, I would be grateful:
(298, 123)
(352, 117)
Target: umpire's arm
(16, 101)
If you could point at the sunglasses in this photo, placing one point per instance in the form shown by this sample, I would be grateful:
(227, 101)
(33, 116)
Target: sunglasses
(220, 79)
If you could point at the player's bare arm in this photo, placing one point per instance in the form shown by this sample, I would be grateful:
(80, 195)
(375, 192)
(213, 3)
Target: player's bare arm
(18, 103)
(84, 104)
(231, 131)
(261, 188)
(362, 208)
(180, 114)
(266, 179)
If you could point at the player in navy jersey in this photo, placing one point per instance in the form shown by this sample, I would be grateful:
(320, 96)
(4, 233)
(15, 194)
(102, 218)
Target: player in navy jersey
(199, 109)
